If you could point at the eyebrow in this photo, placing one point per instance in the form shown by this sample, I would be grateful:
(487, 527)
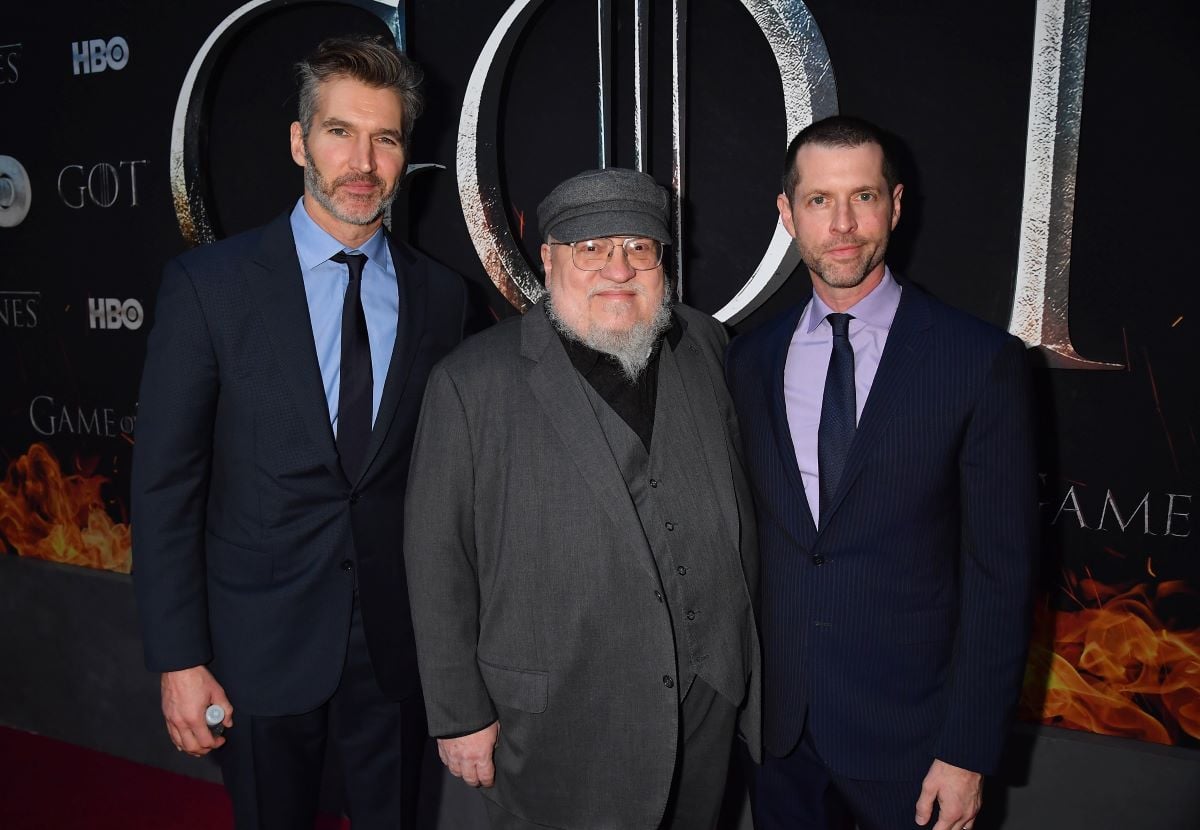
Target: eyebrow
(337, 122)
(817, 191)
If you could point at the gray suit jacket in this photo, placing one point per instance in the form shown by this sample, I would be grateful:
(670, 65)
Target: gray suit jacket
(534, 590)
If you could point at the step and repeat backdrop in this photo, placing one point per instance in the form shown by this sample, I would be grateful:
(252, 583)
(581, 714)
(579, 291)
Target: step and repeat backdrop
(1051, 182)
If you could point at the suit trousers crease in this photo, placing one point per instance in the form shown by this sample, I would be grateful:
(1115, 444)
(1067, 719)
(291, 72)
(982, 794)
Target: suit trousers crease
(706, 730)
(272, 766)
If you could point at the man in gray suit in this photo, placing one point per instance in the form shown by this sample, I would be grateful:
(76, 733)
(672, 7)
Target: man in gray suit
(579, 538)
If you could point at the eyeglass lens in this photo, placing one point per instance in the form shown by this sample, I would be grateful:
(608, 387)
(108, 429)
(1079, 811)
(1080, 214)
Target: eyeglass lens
(593, 254)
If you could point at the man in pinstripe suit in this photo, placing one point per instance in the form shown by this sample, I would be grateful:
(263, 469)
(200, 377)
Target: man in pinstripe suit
(889, 444)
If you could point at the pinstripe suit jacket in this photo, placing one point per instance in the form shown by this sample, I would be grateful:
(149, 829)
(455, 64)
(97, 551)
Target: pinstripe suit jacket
(898, 630)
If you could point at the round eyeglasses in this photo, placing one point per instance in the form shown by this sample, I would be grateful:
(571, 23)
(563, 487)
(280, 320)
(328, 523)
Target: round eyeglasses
(593, 254)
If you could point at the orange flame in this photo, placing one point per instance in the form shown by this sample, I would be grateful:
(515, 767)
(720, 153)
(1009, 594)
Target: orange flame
(1116, 668)
(45, 514)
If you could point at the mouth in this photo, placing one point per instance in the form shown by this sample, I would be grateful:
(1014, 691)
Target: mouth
(615, 292)
(622, 297)
(844, 250)
(359, 187)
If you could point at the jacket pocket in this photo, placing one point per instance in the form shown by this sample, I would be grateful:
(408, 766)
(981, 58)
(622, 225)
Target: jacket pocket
(236, 566)
(522, 689)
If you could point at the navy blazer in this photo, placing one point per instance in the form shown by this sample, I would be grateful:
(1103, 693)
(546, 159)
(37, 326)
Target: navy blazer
(248, 537)
(898, 631)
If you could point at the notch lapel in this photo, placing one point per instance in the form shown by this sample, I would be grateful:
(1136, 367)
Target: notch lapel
(706, 420)
(799, 520)
(411, 275)
(278, 289)
(907, 343)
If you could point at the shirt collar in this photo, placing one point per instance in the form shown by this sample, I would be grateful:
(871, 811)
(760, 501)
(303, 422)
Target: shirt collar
(877, 309)
(314, 245)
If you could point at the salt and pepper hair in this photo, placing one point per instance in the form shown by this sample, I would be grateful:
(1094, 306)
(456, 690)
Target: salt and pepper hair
(838, 131)
(368, 59)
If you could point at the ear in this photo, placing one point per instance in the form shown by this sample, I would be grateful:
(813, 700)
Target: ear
(897, 192)
(296, 139)
(547, 262)
(785, 214)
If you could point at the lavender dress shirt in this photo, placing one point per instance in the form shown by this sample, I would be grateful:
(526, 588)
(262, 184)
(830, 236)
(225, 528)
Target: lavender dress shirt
(808, 360)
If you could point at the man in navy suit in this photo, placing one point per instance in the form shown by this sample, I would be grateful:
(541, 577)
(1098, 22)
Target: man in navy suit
(889, 442)
(283, 380)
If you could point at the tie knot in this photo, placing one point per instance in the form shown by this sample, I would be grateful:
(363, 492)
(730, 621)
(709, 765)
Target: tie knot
(355, 262)
(840, 324)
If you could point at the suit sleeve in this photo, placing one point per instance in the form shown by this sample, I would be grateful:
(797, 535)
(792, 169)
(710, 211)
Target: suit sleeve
(172, 461)
(998, 478)
(440, 559)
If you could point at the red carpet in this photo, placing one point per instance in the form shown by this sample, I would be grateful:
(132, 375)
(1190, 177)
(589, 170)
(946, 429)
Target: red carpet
(50, 785)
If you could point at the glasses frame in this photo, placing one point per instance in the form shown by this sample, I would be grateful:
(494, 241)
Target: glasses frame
(622, 246)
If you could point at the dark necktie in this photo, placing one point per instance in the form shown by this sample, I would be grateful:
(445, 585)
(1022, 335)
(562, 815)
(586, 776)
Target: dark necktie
(354, 391)
(837, 412)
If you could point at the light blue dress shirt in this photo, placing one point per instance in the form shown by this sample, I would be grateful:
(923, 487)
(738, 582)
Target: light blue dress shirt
(808, 361)
(325, 285)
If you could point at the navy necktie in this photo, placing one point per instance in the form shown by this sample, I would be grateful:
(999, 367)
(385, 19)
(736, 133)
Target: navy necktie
(837, 412)
(355, 388)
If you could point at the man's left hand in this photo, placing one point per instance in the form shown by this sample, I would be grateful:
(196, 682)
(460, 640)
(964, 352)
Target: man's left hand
(958, 793)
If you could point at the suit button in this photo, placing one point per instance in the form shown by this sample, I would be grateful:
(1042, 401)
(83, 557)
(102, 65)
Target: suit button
(668, 681)
(818, 559)
(681, 570)
(691, 615)
(670, 525)
(347, 565)
(354, 498)
(658, 596)
(654, 482)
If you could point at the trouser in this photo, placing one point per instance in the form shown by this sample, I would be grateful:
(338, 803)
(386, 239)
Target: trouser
(706, 728)
(799, 792)
(272, 765)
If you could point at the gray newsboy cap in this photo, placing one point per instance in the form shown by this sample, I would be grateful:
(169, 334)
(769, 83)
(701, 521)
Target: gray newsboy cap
(608, 202)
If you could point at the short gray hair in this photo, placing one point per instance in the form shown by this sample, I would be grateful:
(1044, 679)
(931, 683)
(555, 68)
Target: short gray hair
(369, 59)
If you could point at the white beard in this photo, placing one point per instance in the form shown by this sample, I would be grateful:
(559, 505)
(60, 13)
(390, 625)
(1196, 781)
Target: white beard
(630, 348)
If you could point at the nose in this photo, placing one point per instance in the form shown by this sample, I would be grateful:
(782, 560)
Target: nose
(618, 268)
(362, 158)
(844, 220)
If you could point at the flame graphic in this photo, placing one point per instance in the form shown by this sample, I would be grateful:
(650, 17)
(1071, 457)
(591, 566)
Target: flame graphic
(1113, 667)
(45, 514)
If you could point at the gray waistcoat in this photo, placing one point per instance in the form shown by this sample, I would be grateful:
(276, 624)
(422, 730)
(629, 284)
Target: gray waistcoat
(678, 508)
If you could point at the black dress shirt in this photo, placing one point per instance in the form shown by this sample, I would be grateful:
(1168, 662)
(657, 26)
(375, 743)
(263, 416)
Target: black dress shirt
(634, 402)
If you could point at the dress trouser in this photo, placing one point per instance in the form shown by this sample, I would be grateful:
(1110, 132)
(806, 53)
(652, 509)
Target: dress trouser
(799, 792)
(706, 727)
(272, 765)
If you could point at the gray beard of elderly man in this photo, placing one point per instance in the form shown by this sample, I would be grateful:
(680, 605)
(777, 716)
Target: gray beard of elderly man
(631, 347)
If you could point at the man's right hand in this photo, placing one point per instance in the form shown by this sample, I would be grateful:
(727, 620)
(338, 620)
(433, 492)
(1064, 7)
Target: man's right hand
(185, 696)
(470, 757)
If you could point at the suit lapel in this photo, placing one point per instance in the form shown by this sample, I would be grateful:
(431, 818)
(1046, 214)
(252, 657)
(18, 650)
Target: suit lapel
(411, 275)
(907, 342)
(799, 521)
(705, 420)
(278, 289)
(556, 385)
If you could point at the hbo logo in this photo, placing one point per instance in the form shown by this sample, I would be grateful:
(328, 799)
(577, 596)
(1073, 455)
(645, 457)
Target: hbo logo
(96, 55)
(107, 313)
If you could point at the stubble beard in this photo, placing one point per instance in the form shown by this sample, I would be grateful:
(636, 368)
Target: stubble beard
(850, 275)
(630, 347)
(325, 193)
